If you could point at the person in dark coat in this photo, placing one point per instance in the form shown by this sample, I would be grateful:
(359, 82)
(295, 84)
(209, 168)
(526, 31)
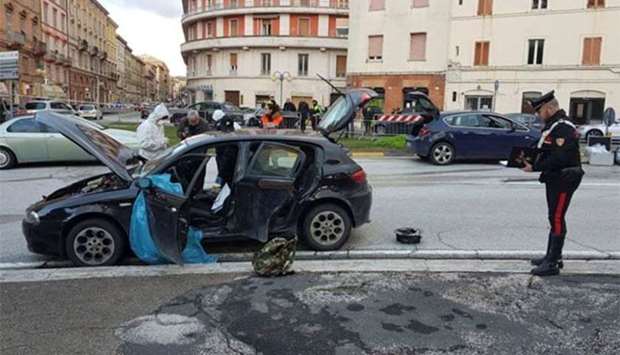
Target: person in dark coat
(289, 106)
(192, 125)
(304, 112)
(559, 162)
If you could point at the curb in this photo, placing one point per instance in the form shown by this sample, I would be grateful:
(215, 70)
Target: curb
(244, 269)
(361, 255)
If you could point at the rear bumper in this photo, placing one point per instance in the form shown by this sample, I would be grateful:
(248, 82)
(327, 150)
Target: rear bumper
(417, 145)
(361, 205)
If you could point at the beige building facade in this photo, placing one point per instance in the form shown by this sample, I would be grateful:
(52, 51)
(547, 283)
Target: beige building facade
(20, 30)
(490, 55)
(247, 51)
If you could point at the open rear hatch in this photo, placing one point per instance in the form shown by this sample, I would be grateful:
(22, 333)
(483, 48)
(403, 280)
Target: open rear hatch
(342, 112)
(106, 149)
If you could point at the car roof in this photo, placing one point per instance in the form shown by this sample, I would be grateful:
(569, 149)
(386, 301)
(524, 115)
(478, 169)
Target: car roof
(463, 112)
(258, 135)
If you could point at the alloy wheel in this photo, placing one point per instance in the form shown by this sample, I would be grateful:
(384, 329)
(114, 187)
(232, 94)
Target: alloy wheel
(5, 159)
(327, 227)
(93, 246)
(443, 154)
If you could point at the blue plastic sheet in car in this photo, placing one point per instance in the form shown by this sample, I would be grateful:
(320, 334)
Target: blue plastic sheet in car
(141, 241)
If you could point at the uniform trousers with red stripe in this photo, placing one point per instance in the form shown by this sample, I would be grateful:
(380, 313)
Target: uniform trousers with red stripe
(559, 195)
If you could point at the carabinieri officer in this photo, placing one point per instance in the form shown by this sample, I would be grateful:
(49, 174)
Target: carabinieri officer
(559, 162)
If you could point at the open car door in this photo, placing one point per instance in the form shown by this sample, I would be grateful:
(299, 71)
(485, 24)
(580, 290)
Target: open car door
(265, 187)
(167, 209)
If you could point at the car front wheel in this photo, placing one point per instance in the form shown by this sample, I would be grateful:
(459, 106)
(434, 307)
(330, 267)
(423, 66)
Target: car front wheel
(326, 227)
(442, 153)
(95, 242)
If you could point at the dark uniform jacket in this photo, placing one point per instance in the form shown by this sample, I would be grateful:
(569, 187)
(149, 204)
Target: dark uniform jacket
(559, 157)
(186, 130)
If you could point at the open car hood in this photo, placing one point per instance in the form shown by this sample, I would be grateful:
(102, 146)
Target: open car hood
(343, 110)
(106, 149)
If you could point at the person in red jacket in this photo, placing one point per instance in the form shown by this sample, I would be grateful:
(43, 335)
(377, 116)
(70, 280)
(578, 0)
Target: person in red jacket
(272, 118)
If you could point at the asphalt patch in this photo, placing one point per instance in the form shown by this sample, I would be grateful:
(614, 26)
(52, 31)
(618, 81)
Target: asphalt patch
(385, 314)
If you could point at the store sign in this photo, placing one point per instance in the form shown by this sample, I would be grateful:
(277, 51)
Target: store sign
(9, 65)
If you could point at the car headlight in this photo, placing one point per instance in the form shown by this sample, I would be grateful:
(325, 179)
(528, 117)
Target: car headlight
(33, 217)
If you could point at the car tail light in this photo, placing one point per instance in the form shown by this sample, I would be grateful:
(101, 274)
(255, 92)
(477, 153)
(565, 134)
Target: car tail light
(359, 176)
(424, 131)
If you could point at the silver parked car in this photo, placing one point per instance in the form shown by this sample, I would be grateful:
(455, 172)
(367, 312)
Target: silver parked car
(90, 111)
(33, 107)
(598, 130)
(25, 140)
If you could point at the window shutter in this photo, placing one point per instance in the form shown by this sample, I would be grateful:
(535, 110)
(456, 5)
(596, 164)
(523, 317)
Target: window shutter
(376, 5)
(341, 66)
(375, 47)
(587, 52)
(419, 3)
(418, 46)
(485, 53)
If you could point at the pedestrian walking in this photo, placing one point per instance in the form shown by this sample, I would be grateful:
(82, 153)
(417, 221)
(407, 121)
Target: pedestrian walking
(192, 125)
(151, 133)
(304, 113)
(559, 163)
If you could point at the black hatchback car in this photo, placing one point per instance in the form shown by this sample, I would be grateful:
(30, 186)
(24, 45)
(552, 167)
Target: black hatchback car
(279, 185)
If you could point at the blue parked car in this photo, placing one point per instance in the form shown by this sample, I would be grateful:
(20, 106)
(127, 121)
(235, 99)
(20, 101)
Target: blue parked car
(469, 135)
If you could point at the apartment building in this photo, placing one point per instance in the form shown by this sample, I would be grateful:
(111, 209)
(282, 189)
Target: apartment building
(55, 35)
(158, 78)
(88, 21)
(490, 55)
(399, 46)
(20, 30)
(246, 51)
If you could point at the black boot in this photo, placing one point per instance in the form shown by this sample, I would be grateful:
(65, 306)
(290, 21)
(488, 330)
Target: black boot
(550, 266)
(539, 261)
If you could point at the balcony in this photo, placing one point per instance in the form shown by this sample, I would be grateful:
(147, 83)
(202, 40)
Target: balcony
(103, 55)
(280, 42)
(93, 51)
(51, 56)
(39, 48)
(16, 40)
(231, 7)
(83, 45)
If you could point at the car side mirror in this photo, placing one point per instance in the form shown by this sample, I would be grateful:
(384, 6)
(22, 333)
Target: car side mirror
(144, 183)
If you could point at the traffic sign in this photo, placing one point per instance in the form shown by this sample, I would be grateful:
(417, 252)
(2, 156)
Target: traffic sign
(9, 65)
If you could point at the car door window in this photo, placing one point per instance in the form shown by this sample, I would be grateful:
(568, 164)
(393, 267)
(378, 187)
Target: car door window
(35, 106)
(28, 125)
(499, 122)
(273, 160)
(57, 106)
(471, 121)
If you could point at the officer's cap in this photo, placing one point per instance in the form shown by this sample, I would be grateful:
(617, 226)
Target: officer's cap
(539, 102)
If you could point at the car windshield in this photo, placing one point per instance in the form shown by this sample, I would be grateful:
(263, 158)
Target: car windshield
(228, 107)
(87, 108)
(335, 114)
(150, 165)
(35, 106)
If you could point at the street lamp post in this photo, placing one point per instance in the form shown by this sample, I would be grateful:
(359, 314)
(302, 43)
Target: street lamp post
(281, 76)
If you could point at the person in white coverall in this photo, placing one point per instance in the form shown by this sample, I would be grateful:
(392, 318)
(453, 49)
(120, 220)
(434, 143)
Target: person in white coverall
(151, 133)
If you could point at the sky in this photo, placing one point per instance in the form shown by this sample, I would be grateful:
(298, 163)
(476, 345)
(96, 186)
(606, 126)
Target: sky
(151, 27)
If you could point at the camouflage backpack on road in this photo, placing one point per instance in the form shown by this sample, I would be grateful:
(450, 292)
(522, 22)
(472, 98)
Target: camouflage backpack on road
(275, 258)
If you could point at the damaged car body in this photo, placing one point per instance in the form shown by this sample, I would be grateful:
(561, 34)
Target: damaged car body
(275, 185)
